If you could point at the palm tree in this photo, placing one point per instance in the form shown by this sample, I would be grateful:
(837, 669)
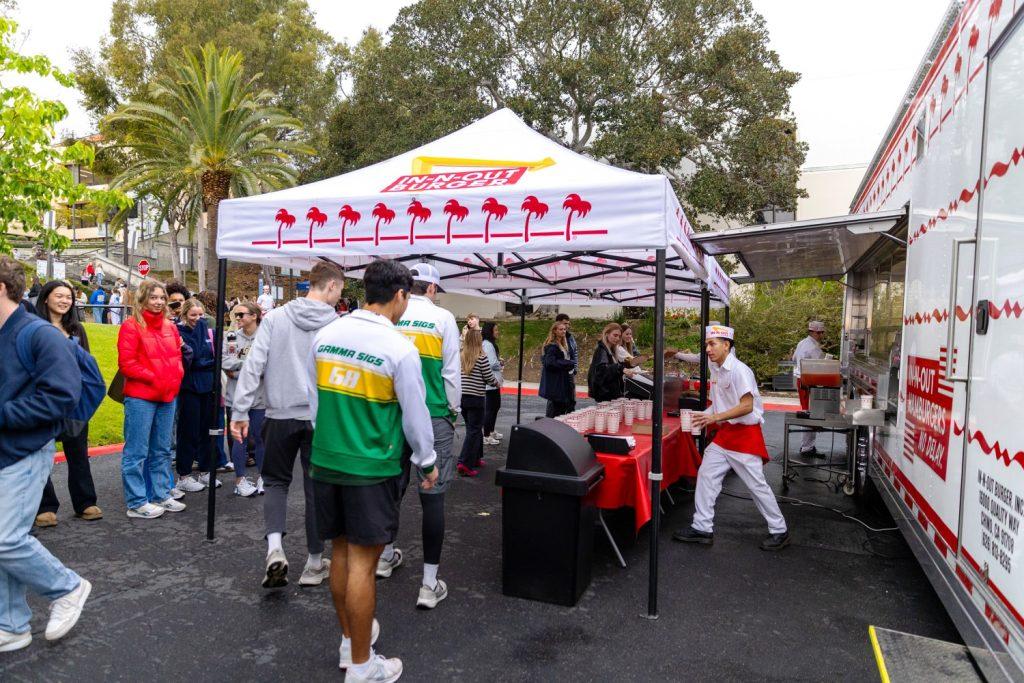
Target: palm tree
(208, 127)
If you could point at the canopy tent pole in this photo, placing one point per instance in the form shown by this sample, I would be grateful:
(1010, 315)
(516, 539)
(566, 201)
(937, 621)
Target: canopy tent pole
(705, 313)
(216, 432)
(522, 334)
(726, 320)
(656, 422)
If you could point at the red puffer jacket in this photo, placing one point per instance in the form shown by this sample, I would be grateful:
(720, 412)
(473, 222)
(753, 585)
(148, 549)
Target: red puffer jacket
(150, 358)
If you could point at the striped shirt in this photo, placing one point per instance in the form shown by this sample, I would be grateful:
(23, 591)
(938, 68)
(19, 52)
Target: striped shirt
(479, 378)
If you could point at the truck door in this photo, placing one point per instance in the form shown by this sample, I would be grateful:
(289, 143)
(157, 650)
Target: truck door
(992, 544)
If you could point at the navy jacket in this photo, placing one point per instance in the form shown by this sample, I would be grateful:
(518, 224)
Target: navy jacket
(556, 379)
(199, 370)
(32, 409)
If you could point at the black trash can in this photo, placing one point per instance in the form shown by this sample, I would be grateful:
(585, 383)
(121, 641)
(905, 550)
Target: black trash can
(547, 527)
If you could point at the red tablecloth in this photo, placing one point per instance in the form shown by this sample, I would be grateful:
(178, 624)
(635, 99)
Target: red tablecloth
(625, 481)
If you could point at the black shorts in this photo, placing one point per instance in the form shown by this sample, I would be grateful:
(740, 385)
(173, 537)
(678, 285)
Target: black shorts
(364, 515)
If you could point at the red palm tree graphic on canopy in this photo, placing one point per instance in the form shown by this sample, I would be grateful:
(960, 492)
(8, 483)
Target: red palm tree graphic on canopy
(284, 220)
(575, 206)
(382, 213)
(533, 207)
(456, 211)
(418, 213)
(348, 216)
(493, 209)
(317, 219)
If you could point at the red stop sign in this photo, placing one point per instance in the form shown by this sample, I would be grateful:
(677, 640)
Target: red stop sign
(143, 267)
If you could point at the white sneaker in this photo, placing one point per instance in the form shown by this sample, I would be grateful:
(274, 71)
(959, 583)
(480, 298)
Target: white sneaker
(429, 597)
(204, 479)
(171, 505)
(245, 488)
(146, 511)
(277, 570)
(64, 612)
(345, 649)
(177, 494)
(490, 441)
(9, 642)
(226, 467)
(190, 484)
(382, 671)
(259, 486)
(497, 436)
(385, 567)
(314, 577)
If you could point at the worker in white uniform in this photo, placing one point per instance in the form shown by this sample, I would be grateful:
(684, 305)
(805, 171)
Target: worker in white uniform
(809, 348)
(734, 422)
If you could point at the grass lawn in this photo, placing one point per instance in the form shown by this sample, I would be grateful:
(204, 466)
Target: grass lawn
(107, 425)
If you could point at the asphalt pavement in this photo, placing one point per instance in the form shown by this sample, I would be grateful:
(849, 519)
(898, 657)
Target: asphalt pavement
(166, 603)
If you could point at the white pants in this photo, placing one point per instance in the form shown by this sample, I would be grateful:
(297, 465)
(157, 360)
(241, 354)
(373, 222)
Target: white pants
(750, 468)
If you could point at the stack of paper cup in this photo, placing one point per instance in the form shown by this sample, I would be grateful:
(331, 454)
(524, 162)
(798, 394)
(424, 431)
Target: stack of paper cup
(613, 422)
(628, 413)
(867, 401)
(685, 420)
(600, 420)
(648, 409)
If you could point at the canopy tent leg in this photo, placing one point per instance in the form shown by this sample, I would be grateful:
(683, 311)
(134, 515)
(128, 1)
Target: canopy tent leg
(656, 422)
(726, 320)
(216, 432)
(522, 335)
(705, 313)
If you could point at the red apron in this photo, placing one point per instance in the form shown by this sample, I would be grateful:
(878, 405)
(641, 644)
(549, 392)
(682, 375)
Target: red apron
(804, 397)
(740, 438)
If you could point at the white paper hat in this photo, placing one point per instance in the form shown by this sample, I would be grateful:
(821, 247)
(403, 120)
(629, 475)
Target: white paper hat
(816, 326)
(720, 331)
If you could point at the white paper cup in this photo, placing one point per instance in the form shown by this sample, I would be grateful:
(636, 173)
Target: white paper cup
(600, 421)
(613, 423)
(867, 401)
(685, 420)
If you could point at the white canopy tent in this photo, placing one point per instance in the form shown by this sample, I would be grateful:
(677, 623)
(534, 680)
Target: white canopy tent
(499, 209)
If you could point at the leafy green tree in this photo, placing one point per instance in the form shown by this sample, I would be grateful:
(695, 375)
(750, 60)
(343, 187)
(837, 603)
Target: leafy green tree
(281, 46)
(688, 88)
(34, 177)
(208, 131)
(771, 318)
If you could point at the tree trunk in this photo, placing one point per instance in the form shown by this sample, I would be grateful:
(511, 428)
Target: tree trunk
(216, 186)
(172, 232)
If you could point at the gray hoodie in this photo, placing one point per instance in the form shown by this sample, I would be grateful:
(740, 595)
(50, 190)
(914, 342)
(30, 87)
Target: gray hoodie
(279, 356)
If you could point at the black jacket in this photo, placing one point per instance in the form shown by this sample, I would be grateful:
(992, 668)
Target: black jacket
(604, 379)
(556, 380)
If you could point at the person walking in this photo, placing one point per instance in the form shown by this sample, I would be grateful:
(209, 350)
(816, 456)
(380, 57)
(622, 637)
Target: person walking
(604, 380)
(492, 397)
(55, 303)
(476, 377)
(737, 443)
(277, 357)
(435, 334)
(556, 384)
(371, 406)
(237, 344)
(32, 410)
(149, 351)
(116, 313)
(96, 300)
(195, 400)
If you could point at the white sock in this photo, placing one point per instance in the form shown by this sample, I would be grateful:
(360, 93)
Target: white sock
(314, 561)
(362, 670)
(274, 542)
(389, 552)
(430, 575)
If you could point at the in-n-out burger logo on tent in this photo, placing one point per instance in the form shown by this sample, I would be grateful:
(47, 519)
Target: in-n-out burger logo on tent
(459, 180)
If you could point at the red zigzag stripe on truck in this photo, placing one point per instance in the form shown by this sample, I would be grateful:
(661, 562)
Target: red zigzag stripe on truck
(1002, 454)
(1007, 310)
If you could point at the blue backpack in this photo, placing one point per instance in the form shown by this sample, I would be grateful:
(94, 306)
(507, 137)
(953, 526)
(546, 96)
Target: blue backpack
(93, 386)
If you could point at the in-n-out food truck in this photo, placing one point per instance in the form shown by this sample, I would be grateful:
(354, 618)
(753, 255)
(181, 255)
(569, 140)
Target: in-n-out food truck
(932, 256)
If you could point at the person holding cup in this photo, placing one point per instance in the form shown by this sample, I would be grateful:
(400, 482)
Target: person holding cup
(737, 443)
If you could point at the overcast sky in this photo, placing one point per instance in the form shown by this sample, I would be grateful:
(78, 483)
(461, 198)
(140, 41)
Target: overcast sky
(856, 57)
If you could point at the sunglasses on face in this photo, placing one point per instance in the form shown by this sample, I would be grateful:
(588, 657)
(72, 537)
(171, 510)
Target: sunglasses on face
(239, 316)
(175, 304)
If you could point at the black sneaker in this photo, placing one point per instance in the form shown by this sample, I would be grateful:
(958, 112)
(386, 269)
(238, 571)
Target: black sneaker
(810, 453)
(775, 541)
(691, 535)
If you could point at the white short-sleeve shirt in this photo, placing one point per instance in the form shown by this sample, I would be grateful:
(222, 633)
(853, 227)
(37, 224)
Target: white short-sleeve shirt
(730, 381)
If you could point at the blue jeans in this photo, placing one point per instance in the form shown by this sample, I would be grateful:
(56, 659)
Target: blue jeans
(97, 315)
(24, 562)
(146, 459)
(240, 449)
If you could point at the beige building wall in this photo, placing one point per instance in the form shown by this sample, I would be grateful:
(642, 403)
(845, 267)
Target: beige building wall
(829, 190)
